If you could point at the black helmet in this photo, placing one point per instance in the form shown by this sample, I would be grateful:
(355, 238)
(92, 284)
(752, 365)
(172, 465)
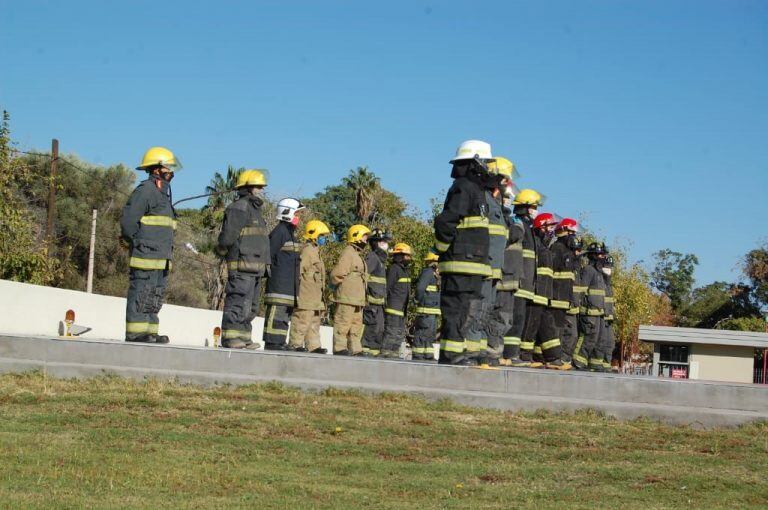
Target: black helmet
(596, 249)
(379, 235)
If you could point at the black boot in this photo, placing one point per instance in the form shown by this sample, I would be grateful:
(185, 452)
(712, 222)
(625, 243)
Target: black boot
(319, 350)
(276, 347)
(145, 339)
(342, 352)
(162, 339)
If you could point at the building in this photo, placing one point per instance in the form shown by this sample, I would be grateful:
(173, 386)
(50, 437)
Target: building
(709, 354)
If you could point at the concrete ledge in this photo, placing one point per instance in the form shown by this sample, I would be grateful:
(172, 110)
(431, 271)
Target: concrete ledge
(698, 403)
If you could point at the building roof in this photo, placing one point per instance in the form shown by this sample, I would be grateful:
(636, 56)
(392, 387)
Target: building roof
(669, 335)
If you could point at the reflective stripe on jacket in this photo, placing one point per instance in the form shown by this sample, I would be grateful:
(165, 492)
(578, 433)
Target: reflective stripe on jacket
(375, 263)
(284, 251)
(243, 236)
(350, 277)
(311, 279)
(148, 223)
(461, 230)
(398, 289)
(498, 232)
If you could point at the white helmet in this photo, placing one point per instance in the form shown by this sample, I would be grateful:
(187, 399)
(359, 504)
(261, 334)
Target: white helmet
(472, 149)
(286, 210)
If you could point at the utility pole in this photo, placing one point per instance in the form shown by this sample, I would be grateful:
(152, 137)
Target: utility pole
(91, 254)
(52, 193)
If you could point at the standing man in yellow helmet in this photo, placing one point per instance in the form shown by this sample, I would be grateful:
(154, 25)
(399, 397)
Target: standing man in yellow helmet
(524, 208)
(305, 320)
(349, 277)
(398, 292)
(502, 318)
(427, 310)
(462, 240)
(244, 243)
(147, 227)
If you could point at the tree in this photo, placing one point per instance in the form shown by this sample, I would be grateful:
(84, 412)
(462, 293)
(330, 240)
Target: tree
(22, 253)
(673, 275)
(755, 267)
(365, 186)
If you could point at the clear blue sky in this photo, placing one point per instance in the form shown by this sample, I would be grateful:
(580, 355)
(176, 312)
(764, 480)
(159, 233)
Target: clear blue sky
(649, 117)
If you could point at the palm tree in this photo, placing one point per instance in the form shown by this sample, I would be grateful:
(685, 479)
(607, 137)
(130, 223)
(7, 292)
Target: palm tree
(223, 187)
(366, 186)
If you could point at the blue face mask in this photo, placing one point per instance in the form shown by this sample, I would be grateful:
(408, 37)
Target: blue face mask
(322, 240)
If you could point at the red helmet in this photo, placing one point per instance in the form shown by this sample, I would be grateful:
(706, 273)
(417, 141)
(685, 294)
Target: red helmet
(543, 220)
(567, 224)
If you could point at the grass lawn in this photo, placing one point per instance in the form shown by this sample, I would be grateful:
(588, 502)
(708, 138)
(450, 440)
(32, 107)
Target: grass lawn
(114, 443)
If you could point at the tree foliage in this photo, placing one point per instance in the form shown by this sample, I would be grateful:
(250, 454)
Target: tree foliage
(673, 275)
(755, 268)
(23, 256)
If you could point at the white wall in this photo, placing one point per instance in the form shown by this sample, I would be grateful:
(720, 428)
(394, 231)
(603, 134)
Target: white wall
(722, 363)
(35, 310)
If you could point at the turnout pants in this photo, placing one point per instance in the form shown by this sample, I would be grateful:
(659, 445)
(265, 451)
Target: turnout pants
(568, 332)
(586, 353)
(424, 335)
(480, 310)
(241, 305)
(373, 332)
(514, 335)
(455, 297)
(348, 328)
(500, 322)
(276, 324)
(305, 329)
(145, 298)
(394, 335)
(540, 331)
(606, 344)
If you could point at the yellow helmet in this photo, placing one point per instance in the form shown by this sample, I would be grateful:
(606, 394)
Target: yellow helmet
(402, 248)
(159, 156)
(251, 178)
(503, 166)
(356, 232)
(528, 197)
(315, 229)
(431, 257)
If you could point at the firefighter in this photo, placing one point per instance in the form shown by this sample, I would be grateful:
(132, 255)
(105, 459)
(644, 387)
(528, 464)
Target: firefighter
(525, 206)
(147, 227)
(499, 306)
(349, 278)
(427, 310)
(283, 281)
(305, 319)
(462, 240)
(509, 308)
(607, 340)
(244, 243)
(586, 355)
(398, 292)
(566, 264)
(373, 313)
(540, 331)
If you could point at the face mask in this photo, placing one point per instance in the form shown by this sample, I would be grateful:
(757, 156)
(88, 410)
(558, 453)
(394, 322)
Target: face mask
(607, 271)
(322, 240)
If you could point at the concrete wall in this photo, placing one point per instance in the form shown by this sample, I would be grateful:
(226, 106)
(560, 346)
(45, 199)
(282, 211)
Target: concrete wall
(675, 401)
(722, 363)
(36, 310)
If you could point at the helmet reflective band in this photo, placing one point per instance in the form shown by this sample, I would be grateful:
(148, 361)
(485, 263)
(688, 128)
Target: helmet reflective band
(472, 149)
(287, 208)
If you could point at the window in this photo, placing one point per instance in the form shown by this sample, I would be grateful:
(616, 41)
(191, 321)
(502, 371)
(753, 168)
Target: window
(673, 361)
